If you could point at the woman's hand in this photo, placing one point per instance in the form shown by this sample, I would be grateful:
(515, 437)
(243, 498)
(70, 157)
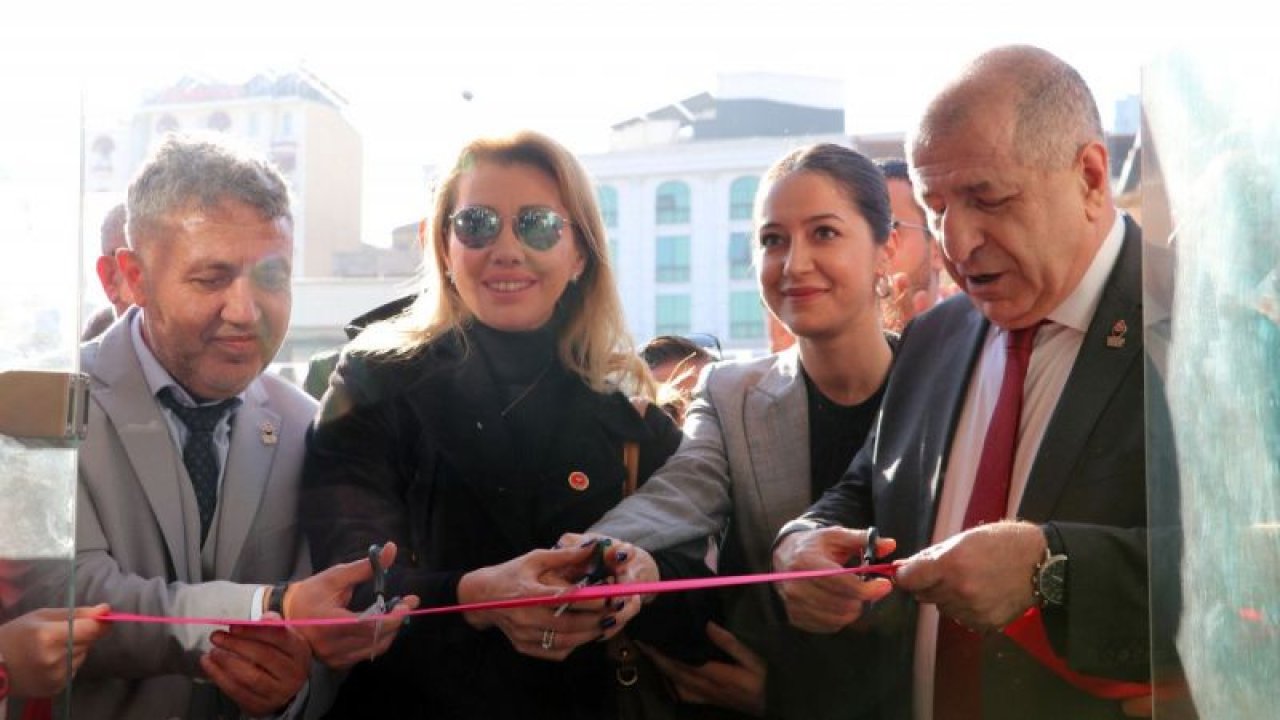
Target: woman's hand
(737, 684)
(551, 632)
(35, 647)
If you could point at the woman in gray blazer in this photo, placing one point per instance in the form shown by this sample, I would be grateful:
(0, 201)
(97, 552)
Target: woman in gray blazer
(764, 438)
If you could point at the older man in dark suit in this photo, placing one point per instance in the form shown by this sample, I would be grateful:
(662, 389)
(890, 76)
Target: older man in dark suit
(1008, 465)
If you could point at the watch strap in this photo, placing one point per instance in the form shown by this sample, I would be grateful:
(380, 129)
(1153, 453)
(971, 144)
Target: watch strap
(275, 603)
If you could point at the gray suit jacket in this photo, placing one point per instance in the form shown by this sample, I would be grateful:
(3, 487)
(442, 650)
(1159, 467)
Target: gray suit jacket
(744, 457)
(137, 534)
(741, 472)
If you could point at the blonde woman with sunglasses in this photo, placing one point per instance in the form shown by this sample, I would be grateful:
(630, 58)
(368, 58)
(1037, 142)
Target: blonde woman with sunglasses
(477, 427)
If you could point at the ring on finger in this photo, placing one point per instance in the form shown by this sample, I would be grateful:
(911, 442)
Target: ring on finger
(548, 639)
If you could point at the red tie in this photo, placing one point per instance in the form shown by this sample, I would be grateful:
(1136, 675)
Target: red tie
(957, 684)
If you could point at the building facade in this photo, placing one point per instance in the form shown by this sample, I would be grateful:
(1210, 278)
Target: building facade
(294, 119)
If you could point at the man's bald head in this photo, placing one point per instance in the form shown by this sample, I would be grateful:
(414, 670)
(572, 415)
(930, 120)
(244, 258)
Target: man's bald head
(1050, 111)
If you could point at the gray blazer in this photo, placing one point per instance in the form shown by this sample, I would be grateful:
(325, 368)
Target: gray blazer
(741, 472)
(744, 457)
(137, 534)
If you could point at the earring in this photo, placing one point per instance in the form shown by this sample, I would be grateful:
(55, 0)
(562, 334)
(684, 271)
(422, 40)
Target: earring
(448, 275)
(882, 287)
(574, 279)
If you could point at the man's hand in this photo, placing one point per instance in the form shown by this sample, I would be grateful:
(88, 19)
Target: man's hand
(827, 604)
(981, 578)
(738, 684)
(34, 647)
(326, 595)
(259, 668)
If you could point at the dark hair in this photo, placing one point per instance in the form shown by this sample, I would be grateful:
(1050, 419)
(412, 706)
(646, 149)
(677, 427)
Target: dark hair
(669, 348)
(857, 177)
(894, 169)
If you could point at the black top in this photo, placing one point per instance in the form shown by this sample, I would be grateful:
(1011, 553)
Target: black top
(461, 454)
(836, 432)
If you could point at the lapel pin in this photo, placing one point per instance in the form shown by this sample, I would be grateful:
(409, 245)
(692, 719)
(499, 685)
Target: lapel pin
(268, 430)
(1116, 338)
(579, 481)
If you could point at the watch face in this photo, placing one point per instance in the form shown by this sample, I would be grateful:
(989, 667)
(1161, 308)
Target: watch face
(1053, 580)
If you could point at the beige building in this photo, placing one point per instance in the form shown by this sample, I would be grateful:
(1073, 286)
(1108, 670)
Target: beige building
(295, 119)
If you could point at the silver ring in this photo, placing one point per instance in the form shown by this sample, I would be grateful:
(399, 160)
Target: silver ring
(548, 639)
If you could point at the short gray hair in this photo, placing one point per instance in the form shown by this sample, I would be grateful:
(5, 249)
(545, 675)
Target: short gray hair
(202, 171)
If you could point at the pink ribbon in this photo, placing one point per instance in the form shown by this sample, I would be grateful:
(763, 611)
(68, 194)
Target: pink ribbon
(594, 592)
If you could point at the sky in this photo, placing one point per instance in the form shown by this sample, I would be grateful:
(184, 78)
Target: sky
(568, 67)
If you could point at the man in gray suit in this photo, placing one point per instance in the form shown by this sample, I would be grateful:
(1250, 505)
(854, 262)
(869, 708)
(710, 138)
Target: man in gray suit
(188, 478)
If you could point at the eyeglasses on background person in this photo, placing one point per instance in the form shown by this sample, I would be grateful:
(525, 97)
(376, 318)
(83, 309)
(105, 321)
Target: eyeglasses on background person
(915, 226)
(477, 226)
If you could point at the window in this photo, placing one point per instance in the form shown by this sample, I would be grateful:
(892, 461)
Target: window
(739, 256)
(746, 316)
(166, 124)
(673, 258)
(613, 256)
(673, 203)
(219, 121)
(742, 197)
(672, 315)
(286, 125)
(608, 199)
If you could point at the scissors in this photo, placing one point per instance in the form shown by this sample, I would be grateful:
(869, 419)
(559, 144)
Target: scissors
(597, 572)
(380, 604)
(869, 554)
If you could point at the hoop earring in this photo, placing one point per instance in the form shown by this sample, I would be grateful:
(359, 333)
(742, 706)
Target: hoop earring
(882, 288)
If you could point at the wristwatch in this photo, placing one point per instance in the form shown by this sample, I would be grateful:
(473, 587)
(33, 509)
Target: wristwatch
(1049, 581)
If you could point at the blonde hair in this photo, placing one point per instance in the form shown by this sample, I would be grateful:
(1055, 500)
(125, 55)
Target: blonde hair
(593, 341)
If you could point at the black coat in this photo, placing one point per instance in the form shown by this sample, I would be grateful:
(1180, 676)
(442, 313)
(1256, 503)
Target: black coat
(417, 451)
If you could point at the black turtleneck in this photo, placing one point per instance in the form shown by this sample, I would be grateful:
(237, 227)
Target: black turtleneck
(516, 359)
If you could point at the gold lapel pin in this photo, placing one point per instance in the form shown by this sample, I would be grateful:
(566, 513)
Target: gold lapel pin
(268, 430)
(1116, 338)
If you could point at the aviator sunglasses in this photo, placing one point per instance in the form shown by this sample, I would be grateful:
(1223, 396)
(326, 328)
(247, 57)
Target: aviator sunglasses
(477, 226)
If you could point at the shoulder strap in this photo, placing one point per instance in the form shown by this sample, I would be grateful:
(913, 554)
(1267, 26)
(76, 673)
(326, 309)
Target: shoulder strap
(631, 450)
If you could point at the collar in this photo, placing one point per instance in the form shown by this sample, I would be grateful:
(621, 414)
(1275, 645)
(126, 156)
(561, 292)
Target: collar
(1077, 310)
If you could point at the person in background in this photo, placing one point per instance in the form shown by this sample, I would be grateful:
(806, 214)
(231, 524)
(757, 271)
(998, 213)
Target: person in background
(188, 476)
(1008, 462)
(765, 437)
(917, 262)
(675, 363)
(113, 283)
(478, 426)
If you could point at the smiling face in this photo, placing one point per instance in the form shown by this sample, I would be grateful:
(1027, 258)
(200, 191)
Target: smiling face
(1016, 238)
(817, 257)
(213, 285)
(508, 285)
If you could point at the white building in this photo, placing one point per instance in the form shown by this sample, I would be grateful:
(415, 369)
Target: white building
(677, 191)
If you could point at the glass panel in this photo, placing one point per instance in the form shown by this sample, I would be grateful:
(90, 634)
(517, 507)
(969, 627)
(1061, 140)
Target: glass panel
(40, 214)
(673, 258)
(673, 315)
(740, 256)
(608, 198)
(746, 316)
(1211, 211)
(672, 205)
(742, 196)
